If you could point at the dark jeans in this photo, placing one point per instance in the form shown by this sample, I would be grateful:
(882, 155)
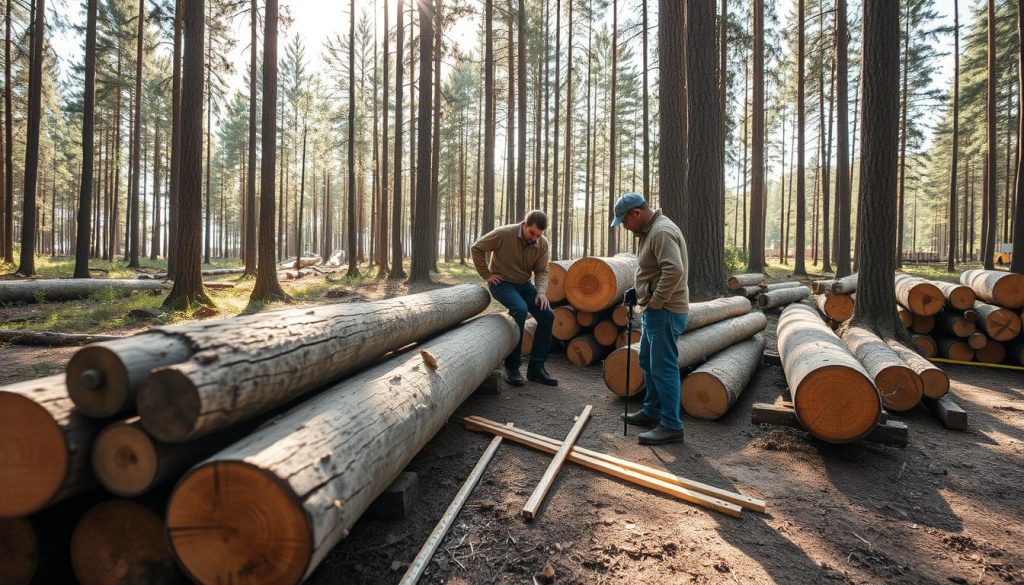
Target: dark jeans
(521, 299)
(658, 359)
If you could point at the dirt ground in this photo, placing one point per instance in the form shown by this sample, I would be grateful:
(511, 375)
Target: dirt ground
(941, 510)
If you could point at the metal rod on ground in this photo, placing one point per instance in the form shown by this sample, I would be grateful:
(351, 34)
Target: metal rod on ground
(419, 564)
(629, 362)
(979, 364)
(533, 504)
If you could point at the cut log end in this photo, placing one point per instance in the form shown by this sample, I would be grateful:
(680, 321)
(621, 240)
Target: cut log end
(595, 284)
(584, 351)
(993, 352)
(926, 345)
(565, 326)
(97, 381)
(606, 332)
(901, 388)
(19, 551)
(556, 281)
(704, 396)
(1000, 324)
(977, 340)
(33, 456)
(620, 315)
(936, 383)
(615, 371)
(125, 460)
(121, 542)
(837, 404)
(169, 404)
(229, 521)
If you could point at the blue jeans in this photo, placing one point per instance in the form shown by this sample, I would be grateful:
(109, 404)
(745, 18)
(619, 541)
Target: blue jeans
(659, 358)
(521, 299)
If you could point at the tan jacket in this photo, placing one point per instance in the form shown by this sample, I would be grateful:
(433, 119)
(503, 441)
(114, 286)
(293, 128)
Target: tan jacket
(512, 258)
(662, 266)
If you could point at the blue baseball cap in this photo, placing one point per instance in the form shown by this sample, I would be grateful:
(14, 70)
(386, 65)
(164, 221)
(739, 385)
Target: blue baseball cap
(625, 204)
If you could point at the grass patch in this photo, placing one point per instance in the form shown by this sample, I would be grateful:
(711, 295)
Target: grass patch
(938, 271)
(64, 267)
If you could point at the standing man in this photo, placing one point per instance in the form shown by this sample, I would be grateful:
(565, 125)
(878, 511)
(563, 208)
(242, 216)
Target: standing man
(665, 301)
(518, 252)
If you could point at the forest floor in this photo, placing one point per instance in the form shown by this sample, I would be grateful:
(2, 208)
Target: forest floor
(939, 511)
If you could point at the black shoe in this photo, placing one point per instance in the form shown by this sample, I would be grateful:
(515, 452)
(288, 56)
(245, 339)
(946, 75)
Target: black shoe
(640, 418)
(660, 435)
(540, 375)
(514, 377)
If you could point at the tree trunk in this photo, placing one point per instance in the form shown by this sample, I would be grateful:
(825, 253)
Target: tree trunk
(614, 372)
(156, 243)
(596, 284)
(249, 254)
(27, 266)
(491, 123)
(613, 163)
(846, 285)
(712, 389)
(704, 223)
(904, 98)
(353, 256)
(174, 181)
(88, 134)
(900, 387)
(521, 51)
(835, 306)
(568, 173)
(959, 297)
(302, 200)
(996, 287)
(833, 395)
(7, 245)
(998, 323)
(755, 255)
(778, 298)
(843, 184)
(59, 289)
(421, 255)
(710, 312)
(988, 248)
(48, 443)
(121, 541)
(136, 150)
(672, 111)
(397, 270)
(800, 247)
(1017, 264)
(356, 460)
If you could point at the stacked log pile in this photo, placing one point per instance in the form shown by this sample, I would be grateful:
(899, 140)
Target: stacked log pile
(767, 296)
(138, 413)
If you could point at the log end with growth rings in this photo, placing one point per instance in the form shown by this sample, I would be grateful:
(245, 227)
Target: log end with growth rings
(837, 404)
(121, 541)
(33, 456)
(615, 371)
(124, 460)
(97, 381)
(232, 522)
(704, 396)
(169, 404)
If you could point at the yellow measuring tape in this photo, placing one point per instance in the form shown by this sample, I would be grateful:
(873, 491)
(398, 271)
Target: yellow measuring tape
(979, 364)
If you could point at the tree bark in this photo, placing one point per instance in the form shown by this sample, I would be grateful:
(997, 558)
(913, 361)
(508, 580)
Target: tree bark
(54, 289)
(846, 285)
(88, 133)
(133, 216)
(955, 154)
(694, 346)
(778, 298)
(249, 255)
(8, 244)
(996, 287)
(397, 269)
(800, 247)
(421, 255)
(988, 248)
(316, 495)
(755, 255)
(672, 110)
(712, 389)
(51, 339)
(27, 266)
(174, 180)
(843, 184)
(521, 52)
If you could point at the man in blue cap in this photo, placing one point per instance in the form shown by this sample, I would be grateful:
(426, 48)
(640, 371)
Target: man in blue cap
(662, 294)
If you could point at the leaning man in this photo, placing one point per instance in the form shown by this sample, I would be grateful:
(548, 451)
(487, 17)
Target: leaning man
(518, 252)
(663, 297)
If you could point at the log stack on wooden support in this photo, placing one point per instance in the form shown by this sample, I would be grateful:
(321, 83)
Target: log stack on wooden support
(67, 289)
(294, 488)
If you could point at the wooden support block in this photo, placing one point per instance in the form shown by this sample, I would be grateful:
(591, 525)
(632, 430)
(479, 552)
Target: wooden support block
(396, 503)
(948, 412)
(890, 432)
(493, 384)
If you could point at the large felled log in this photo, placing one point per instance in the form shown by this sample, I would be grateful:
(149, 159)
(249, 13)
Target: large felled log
(585, 350)
(835, 306)
(52, 339)
(900, 386)
(606, 332)
(588, 319)
(19, 551)
(833, 395)
(706, 313)
(785, 296)
(955, 324)
(936, 382)
(44, 446)
(714, 388)
(66, 289)
(779, 286)
(750, 292)
(1004, 289)
(129, 463)
(741, 280)
(121, 542)
(614, 371)
(998, 323)
(923, 324)
(304, 262)
(694, 346)
(565, 326)
(926, 344)
(556, 279)
(906, 317)
(292, 490)
(993, 352)
(953, 348)
(845, 285)
(820, 287)
(919, 295)
(958, 296)
(245, 373)
(596, 284)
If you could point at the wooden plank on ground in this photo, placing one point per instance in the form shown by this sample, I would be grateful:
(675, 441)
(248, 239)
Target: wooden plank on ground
(889, 432)
(948, 412)
(537, 497)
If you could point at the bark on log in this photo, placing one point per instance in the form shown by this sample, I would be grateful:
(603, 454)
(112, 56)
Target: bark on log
(556, 279)
(926, 344)
(695, 346)
(923, 324)
(749, 292)
(706, 313)
(998, 323)
(121, 542)
(936, 382)
(837, 307)
(820, 287)
(614, 371)
(955, 324)
(741, 280)
(779, 286)
(833, 395)
(845, 285)
(293, 489)
(211, 272)
(306, 261)
(596, 284)
(44, 446)
(19, 551)
(129, 463)
(606, 332)
(993, 352)
(900, 386)
(67, 289)
(529, 329)
(712, 389)
(52, 339)
(1004, 289)
(240, 373)
(906, 317)
(782, 297)
(919, 295)
(958, 296)
(565, 326)
(952, 348)
(585, 350)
